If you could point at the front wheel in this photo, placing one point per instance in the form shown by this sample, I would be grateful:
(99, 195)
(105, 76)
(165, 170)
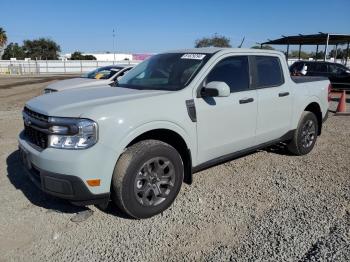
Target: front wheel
(305, 136)
(147, 178)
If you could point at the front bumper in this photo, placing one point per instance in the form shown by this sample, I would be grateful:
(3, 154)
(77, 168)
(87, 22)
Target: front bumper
(64, 175)
(67, 187)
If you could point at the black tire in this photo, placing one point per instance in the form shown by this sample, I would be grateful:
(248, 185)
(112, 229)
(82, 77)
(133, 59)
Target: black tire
(305, 136)
(139, 190)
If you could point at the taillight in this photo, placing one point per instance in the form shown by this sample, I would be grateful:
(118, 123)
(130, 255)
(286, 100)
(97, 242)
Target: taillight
(329, 92)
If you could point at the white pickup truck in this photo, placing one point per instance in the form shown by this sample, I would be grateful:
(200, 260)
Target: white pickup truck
(173, 115)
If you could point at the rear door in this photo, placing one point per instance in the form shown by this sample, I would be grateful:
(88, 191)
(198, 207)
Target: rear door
(317, 69)
(274, 99)
(227, 124)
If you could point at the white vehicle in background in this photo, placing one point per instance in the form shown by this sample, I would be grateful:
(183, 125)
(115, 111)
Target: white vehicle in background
(101, 76)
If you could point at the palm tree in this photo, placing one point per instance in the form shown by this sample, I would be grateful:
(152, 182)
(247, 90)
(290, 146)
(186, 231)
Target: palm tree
(3, 37)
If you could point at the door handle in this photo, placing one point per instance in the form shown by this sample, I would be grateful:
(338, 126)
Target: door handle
(283, 94)
(246, 100)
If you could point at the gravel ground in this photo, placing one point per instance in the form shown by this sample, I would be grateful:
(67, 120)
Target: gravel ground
(267, 206)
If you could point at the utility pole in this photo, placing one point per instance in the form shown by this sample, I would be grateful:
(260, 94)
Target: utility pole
(114, 46)
(326, 48)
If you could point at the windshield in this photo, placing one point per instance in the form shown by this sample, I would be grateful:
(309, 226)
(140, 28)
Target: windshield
(102, 73)
(171, 71)
(343, 67)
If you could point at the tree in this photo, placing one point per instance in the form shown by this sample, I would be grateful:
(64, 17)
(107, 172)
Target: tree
(79, 56)
(13, 50)
(42, 49)
(76, 56)
(303, 55)
(341, 53)
(3, 37)
(214, 41)
(320, 55)
(89, 57)
(266, 47)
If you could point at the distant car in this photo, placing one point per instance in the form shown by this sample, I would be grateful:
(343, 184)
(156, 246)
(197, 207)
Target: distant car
(338, 74)
(101, 76)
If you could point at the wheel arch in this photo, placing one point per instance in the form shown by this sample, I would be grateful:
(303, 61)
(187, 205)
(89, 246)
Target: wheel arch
(315, 108)
(170, 134)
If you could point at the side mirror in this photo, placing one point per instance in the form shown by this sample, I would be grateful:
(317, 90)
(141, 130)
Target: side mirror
(215, 88)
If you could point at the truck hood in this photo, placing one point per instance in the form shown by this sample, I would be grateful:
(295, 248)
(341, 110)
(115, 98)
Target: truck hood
(74, 103)
(76, 83)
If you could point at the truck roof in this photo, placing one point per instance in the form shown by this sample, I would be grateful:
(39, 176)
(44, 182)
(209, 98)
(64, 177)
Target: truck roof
(212, 50)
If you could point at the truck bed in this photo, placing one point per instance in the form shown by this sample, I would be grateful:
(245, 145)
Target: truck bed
(305, 79)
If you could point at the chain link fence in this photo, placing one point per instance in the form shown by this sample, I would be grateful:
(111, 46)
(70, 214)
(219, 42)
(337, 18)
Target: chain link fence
(41, 67)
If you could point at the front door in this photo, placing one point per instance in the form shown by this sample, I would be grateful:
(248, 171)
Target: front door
(227, 124)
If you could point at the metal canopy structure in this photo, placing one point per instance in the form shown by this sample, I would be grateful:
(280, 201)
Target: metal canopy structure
(325, 39)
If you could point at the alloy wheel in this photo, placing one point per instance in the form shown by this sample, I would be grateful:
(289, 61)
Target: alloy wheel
(308, 134)
(154, 181)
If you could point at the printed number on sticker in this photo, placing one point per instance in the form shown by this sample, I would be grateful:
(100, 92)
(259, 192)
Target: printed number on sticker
(193, 56)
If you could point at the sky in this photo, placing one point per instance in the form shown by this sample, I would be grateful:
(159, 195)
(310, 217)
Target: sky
(160, 25)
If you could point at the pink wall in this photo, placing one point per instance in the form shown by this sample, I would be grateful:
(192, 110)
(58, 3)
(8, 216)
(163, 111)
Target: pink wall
(140, 56)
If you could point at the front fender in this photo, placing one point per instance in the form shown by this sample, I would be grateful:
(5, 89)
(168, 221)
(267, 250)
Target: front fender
(119, 146)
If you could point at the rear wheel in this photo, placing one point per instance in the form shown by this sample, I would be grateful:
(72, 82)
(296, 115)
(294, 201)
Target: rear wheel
(305, 136)
(147, 178)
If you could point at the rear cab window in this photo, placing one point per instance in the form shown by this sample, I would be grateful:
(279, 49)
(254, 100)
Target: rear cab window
(268, 71)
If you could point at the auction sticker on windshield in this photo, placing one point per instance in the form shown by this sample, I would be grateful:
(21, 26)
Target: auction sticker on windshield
(193, 56)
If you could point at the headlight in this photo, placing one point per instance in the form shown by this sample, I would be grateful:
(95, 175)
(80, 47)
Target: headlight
(70, 133)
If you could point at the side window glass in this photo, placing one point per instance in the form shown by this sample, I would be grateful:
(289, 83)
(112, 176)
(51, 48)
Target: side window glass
(311, 67)
(335, 69)
(234, 71)
(269, 71)
(332, 69)
(321, 68)
(298, 66)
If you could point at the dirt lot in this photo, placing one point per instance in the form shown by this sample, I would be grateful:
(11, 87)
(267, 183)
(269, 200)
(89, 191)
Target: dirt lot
(267, 206)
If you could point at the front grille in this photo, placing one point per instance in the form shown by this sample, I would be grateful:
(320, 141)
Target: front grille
(36, 137)
(48, 91)
(35, 115)
(31, 126)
